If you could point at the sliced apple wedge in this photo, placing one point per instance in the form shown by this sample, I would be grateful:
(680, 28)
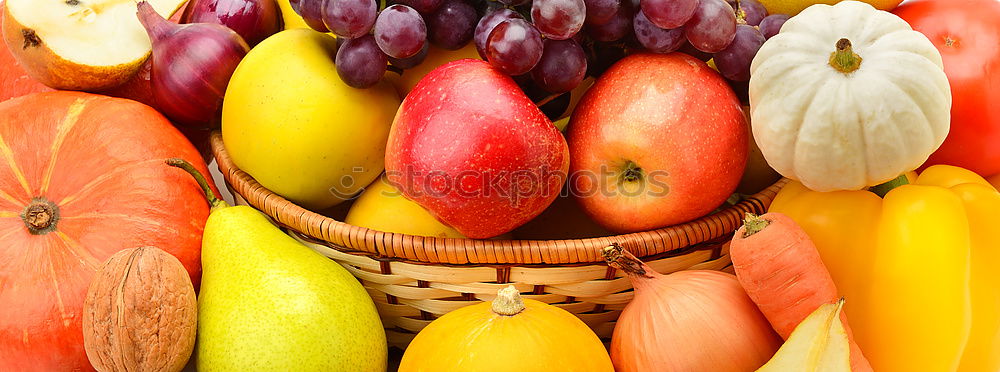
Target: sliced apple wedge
(818, 344)
(79, 44)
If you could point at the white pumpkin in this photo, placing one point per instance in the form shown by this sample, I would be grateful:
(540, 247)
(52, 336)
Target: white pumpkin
(848, 119)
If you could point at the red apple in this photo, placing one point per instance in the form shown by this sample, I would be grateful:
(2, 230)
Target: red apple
(658, 140)
(472, 149)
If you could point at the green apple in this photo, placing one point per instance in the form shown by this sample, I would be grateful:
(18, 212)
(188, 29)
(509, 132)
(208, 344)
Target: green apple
(291, 123)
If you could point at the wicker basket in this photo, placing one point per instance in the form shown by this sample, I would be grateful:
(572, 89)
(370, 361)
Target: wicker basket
(414, 279)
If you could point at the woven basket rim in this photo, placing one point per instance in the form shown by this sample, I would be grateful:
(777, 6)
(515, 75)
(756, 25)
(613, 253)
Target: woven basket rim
(433, 250)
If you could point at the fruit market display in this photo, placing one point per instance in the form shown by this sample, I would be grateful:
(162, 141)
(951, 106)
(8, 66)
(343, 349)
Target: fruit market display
(452, 126)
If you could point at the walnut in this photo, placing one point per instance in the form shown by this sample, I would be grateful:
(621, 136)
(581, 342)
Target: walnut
(140, 313)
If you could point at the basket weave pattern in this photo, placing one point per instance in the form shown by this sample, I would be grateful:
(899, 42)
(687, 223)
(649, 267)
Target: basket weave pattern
(413, 280)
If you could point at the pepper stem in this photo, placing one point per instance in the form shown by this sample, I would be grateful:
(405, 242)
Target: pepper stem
(882, 189)
(844, 59)
(508, 302)
(214, 201)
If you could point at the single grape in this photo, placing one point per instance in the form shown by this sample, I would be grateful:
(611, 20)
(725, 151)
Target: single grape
(669, 13)
(411, 62)
(514, 46)
(311, 12)
(452, 25)
(600, 11)
(486, 25)
(558, 19)
(562, 66)
(771, 24)
(349, 18)
(422, 6)
(360, 63)
(616, 28)
(751, 11)
(713, 26)
(400, 31)
(656, 39)
(734, 61)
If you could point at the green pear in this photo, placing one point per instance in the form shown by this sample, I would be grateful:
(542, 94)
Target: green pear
(269, 303)
(818, 344)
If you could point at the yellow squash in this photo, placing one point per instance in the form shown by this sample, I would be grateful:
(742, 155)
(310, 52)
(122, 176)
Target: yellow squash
(507, 334)
(915, 267)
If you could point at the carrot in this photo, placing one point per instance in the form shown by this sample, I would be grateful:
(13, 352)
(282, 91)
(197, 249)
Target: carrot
(781, 270)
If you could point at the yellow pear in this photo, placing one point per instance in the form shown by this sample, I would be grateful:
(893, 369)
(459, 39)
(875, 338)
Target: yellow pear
(818, 344)
(269, 303)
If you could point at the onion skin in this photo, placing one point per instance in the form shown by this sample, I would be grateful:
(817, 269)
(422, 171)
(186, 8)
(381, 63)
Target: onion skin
(254, 20)
(697, 320)
(191, 67)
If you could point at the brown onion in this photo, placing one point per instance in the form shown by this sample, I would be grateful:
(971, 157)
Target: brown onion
(696, 320)
(191, 67)
(254, 20)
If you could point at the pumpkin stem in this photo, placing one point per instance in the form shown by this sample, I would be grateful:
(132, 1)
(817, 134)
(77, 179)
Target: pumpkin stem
(844, 59)
(753, 224)
(623, 260)
(40, 216)
(882, 189)
(214, 201)
(508, 302)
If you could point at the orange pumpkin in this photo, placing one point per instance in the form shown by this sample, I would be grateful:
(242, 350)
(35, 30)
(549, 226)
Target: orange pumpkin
(82, 176)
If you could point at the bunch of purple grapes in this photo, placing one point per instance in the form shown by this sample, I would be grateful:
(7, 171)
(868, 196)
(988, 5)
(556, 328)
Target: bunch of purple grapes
(398, 34)
(549, 46)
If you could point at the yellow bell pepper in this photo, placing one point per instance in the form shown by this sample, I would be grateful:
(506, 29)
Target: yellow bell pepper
(917, 267)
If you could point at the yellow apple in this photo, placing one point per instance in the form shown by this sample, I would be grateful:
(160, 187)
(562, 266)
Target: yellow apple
(291, 123)
(435, 57)
(382, 207)
(291, 19)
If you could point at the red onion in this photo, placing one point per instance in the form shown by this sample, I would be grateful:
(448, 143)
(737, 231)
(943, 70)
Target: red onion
(191, 67)
(254, 20)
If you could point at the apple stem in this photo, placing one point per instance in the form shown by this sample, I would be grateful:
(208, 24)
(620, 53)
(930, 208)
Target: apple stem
(632, 172)
(844, 59)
